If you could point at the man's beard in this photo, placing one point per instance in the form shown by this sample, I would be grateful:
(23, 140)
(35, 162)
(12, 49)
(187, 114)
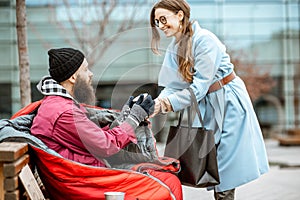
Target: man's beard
(84, 92)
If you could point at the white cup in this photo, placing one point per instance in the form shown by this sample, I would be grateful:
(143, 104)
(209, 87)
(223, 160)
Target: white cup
(114, 195)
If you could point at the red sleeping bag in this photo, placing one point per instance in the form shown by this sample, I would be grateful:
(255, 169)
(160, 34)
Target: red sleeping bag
(66, 179)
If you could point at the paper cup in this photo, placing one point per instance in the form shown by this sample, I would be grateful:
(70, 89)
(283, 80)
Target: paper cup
(114, 195)
(137, 97)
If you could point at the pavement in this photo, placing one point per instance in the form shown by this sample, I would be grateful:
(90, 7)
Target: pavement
(282, 182)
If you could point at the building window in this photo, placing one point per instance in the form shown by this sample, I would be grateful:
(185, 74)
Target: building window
(5, 99)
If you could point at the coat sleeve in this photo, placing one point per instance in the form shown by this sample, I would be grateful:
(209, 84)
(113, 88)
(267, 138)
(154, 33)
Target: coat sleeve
(81, 134)
(207, 57)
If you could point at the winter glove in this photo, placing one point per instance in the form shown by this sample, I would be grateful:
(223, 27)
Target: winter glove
(140, 110)
(129, 102)
(147, 104)
(124, 112)
(126, 108)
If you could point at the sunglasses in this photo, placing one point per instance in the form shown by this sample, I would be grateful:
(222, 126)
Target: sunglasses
(162, 19)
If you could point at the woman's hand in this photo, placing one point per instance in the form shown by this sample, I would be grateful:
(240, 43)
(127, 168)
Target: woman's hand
(162, 105)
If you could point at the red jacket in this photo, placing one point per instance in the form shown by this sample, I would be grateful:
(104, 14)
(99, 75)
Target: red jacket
(64, 127)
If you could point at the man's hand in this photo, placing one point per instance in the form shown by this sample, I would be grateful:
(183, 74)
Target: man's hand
(142, 109)
(147, 105)
(129, 102)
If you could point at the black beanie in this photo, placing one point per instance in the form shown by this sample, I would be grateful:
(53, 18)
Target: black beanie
(64, 62)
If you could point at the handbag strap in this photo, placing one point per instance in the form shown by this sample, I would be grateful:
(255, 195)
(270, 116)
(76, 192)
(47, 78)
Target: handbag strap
(180, 117)
(195, 104)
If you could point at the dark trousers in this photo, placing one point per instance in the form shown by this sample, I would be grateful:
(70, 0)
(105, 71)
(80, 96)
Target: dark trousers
(225, 195)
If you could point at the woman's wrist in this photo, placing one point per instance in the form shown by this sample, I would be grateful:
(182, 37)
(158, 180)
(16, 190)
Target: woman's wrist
(165, 105)
(162, 105)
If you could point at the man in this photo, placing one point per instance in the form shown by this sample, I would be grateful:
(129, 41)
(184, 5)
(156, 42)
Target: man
(62, 123)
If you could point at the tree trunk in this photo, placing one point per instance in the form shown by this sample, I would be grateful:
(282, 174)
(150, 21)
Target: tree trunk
(25, 89)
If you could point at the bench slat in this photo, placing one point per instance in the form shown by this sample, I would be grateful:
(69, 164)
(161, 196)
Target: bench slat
(11, 151)
(11, 169)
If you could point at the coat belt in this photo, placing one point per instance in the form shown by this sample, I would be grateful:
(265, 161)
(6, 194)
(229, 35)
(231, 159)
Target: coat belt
(220, 83)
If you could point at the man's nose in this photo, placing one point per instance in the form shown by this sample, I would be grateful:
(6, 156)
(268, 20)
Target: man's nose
(91, 74)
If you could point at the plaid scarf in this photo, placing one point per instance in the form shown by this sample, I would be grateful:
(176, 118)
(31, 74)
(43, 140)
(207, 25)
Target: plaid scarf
(48, 86)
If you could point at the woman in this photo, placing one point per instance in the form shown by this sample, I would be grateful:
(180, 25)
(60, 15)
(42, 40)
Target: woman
(197, 59)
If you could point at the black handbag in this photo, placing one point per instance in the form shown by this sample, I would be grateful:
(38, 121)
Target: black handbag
(195, 148)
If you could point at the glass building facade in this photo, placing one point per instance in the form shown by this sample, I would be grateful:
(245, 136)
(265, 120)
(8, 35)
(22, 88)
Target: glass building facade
(266, 32)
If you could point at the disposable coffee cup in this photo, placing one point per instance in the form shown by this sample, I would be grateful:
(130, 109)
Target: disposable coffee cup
(114, 195)
(137, 97)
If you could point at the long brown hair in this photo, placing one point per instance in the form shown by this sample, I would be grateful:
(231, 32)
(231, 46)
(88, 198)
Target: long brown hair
(184, 52)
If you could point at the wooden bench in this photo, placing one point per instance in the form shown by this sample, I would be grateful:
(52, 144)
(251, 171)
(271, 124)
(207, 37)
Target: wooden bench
(15, 174)
(292, 138)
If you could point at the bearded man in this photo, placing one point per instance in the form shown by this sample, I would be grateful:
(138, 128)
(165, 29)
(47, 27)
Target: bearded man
(62, 122)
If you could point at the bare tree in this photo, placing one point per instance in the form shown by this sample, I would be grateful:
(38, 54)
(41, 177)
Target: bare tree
(25, 89)
(95, 24)
(257, 80)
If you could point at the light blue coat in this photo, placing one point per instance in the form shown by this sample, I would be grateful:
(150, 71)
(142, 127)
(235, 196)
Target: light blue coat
(241, 151)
